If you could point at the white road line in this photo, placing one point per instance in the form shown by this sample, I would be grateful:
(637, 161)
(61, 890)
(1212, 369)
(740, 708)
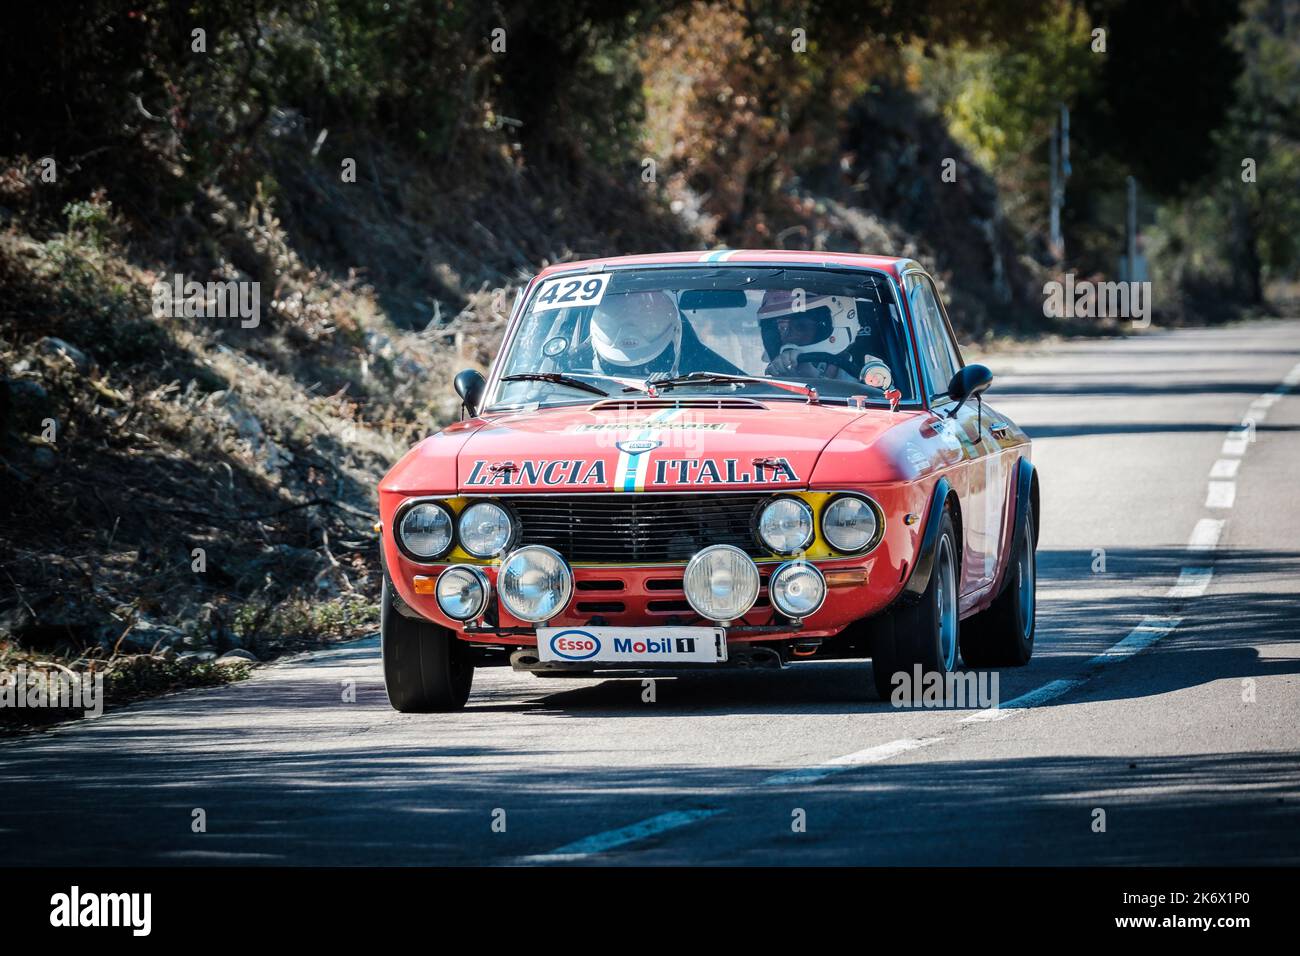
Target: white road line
(1221, 494)
(847, 762)
(1018, 705)
(1225, 468)
(1192, 582)
(1235, 444)
(1139, 639)
(610, 839)
(1206, 534)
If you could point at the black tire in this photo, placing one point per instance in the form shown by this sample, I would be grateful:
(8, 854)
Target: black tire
(915, 634)
(1002, 635)
(426, 667)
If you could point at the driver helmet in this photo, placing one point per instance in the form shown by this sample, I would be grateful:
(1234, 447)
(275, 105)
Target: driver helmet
(633, 332)
(834, 318)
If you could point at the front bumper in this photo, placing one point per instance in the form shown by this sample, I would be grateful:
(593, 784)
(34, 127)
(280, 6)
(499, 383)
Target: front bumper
(653, 596)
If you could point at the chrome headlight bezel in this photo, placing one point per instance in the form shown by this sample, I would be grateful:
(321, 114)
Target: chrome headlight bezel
(479, 578)
(785, 501)
(786, 569)
(752, 582)
(512, 529)
(566, 583)
(399, 520)
(876, 514)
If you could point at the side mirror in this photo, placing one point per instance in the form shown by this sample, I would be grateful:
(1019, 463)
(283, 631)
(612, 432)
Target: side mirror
(969, 382)
(469, 385)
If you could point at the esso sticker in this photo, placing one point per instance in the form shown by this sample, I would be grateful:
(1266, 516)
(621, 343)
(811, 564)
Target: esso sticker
(575, 645)
(570, 292)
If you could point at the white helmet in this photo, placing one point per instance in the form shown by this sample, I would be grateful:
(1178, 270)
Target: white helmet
(836, 318)
(632, 329)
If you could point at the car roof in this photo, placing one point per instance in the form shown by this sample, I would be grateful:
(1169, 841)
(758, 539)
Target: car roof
(892, 265)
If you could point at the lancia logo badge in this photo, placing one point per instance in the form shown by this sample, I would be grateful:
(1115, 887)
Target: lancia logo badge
(637, 447)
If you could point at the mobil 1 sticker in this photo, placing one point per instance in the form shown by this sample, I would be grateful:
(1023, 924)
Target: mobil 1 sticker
(632, 645)
(571, 292)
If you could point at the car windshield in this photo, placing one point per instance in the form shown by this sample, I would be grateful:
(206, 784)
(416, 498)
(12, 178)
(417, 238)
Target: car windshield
(584, 333)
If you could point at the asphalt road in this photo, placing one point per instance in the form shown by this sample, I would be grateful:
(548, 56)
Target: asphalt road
(1163, 698)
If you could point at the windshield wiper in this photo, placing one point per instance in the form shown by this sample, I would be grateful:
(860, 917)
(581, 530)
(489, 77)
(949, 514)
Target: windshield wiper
(556, 378)
(724, 378)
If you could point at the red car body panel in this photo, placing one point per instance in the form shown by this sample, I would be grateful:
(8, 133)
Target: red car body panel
(896, 457)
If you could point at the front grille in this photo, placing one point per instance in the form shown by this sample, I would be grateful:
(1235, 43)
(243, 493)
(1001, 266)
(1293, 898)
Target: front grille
(635, 528)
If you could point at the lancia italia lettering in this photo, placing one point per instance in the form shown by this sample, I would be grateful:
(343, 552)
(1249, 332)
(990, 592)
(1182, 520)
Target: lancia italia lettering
(529, 472)
(667, 471)
(697, 461)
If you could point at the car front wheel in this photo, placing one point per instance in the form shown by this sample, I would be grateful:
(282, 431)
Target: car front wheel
(426, 668)
(923, 635)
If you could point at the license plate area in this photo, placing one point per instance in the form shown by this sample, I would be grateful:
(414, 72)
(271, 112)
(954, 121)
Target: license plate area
(632, 645)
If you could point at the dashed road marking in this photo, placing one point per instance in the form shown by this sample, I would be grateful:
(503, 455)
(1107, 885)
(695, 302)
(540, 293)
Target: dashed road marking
(1221, 494)
(1139, 639)
(1225, 468)
(1236, 443)
(1035, 698)
(847, 762)
(1206, 534)
(1192, 582)
(611, 839)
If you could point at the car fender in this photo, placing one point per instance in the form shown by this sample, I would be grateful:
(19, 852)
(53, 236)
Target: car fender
(919, 578)
(1026, 492)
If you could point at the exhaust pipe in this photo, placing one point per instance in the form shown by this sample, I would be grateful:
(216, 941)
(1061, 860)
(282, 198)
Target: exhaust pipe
(755, 657)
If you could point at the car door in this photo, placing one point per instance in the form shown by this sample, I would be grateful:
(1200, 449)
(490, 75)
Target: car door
(981, 477)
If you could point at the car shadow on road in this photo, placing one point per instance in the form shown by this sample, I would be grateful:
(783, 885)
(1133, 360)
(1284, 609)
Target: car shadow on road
(1122, 809)
(1082, 614)
(305, 800)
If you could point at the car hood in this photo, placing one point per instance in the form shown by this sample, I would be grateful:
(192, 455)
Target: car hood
(655, 447)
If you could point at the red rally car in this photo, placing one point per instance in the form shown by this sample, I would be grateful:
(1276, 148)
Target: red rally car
(708, 460)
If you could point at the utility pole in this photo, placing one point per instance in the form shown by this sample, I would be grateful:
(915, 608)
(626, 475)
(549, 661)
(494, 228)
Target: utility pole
(1059, 160)
(1132, 230)
(1053, 190)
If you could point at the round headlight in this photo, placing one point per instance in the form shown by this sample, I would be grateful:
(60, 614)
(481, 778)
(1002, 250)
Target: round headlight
(462, 592)
(534, 583)
(425, 531)
(797, 589)
(721, 583)
(786, 525)
(485, 529)
(849, 524)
